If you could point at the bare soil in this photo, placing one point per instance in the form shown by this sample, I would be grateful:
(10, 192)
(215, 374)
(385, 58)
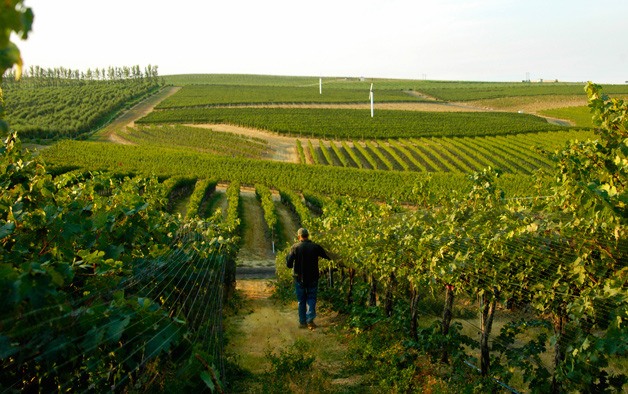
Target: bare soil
(283, 148)
(270, 325)
(114, 132)
(256, 249)
(266, 326)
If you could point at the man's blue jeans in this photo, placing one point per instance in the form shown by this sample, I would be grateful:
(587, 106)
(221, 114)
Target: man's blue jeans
(306, 296)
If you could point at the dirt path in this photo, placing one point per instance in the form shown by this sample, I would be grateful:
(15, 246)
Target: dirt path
(114, 132)
(284, 148)
(269, 326)
(265, 326)
(256, 249)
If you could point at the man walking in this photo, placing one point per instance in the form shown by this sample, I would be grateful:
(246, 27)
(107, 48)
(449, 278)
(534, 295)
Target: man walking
(303, 257)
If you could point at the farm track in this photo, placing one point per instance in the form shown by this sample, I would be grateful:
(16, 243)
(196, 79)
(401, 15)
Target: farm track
(266, 325)
(115, 130)
(256, 249)
(283, 148)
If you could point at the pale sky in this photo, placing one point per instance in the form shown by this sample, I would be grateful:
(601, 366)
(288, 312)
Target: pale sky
(479, 40)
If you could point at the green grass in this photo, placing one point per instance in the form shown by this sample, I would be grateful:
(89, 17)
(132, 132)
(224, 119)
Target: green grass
(579, 116)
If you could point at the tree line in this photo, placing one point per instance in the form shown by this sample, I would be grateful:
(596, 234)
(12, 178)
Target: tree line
(41, 76)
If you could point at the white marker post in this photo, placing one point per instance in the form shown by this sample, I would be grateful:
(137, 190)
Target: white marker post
(320, 86)
(371, 97)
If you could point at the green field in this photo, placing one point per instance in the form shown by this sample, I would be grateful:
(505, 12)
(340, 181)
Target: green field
(351, 123)
(408, 200)
(442, 90)
(579, 116)
(324, 180)
(199, 140)
(211, 95)
(467, 91)
(69, 108)
(238, 80)
(512, 154)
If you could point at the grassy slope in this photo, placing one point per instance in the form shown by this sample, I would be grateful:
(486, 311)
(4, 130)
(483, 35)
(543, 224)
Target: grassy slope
(579, 116)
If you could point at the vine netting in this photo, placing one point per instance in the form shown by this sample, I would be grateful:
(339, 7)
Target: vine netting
(103, 289)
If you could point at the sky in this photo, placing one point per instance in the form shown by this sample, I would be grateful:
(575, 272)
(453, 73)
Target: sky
(471, 40)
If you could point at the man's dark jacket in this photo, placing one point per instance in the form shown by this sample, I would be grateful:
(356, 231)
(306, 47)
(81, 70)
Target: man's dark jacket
(303, 257)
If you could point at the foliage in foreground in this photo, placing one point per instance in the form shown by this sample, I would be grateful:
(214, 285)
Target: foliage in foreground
(100, 287)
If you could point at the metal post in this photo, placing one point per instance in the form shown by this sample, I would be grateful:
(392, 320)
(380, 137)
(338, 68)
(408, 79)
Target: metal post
(371, 97)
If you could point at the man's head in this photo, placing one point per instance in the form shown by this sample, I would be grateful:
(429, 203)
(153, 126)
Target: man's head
(303, 233)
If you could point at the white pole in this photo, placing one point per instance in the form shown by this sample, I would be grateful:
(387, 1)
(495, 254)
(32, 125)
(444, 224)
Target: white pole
(320, 86)
(371, 97)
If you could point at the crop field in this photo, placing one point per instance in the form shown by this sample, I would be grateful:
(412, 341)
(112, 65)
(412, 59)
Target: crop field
(442, 90)
(420, 208)
(467, 91)
(214, 95)
(54, 107)
(239, 80)
(324, 180)
(293, 81)
(350, 124)
(513, 154)
(200, 140)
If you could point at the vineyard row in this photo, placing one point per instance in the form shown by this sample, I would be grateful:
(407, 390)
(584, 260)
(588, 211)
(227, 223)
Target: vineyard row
(213, 95)
(324, 180)
(512, 154)
(339, 123)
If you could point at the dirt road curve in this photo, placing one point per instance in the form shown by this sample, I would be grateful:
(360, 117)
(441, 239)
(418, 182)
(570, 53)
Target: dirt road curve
(284, 148)
(114, 132)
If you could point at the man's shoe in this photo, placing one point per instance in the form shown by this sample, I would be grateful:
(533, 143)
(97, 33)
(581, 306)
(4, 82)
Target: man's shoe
(302, 325)
(311, 325)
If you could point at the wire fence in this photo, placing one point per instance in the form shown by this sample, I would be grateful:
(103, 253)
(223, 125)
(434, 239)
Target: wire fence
(165, 312)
